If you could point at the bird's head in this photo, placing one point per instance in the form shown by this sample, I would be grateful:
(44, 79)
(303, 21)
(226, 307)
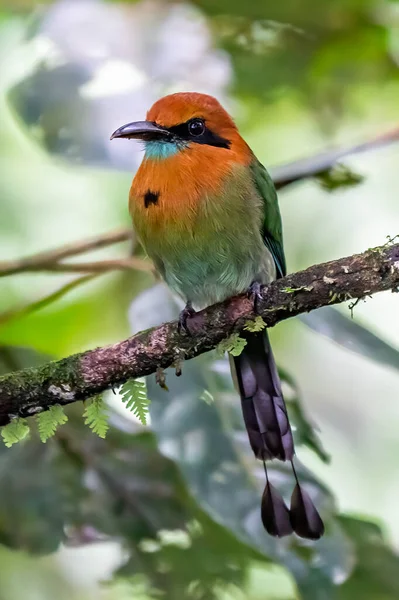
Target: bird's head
(183, 122)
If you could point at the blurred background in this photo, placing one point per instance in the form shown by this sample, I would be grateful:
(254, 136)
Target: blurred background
(172, 510)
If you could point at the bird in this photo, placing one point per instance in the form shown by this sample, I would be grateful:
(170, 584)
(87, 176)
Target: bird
(206, 212)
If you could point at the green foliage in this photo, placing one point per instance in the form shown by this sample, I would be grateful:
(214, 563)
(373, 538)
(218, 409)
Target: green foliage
(304, 432)
(375, 576)
(15, 432)
(49, 420)
(137, 587)
(234, 345)
(354, 336)
(338, 177)
(302, 48)
(13, 358)
(256, 325)
(96, 416)
(134, 395)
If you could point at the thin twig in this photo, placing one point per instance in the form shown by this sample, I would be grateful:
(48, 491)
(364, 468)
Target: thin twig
(42, 260)
(99, 266)
(304, 168)
(82, 376)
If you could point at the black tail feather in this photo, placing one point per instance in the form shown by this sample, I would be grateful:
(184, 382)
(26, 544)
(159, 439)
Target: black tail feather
(305, 519)
(270, 436)
(263, 405)
(274, 513)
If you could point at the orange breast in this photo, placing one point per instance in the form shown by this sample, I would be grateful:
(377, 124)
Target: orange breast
(178, 184)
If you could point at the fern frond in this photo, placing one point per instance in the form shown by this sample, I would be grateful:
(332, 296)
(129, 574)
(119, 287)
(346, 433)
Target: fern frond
(48, 421)
(96, 416)
(14, 432)
(134, 395)
(256, 325)
(234, 345)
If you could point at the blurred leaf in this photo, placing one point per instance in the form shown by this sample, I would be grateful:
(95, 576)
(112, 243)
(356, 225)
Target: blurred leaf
(137, 495)
(31, 512)
(376, 573)
(304, 430)
(353, 336)
(48, 102)
(76, 322)
(338, 177)
(23, 311)
(24, 577)
(222, 473)
(13, 358)
(319, 49)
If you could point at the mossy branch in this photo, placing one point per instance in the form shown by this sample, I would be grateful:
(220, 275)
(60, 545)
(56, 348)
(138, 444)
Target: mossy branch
(81, 376)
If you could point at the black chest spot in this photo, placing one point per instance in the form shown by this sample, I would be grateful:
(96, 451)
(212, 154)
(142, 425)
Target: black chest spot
(151, 198)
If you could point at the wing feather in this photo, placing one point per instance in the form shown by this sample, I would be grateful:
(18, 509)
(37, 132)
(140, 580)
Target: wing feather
(272, 231)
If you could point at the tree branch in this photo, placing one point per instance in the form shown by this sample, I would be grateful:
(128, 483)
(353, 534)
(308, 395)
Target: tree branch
(81, 376)
(97, 266)
(323, 162)
(44, 261)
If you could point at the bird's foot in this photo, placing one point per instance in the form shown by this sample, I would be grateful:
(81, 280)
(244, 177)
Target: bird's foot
(254, 292)
(185, 314)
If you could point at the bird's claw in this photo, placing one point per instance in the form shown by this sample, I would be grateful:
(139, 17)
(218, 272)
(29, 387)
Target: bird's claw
(254, 292)
(185, 314)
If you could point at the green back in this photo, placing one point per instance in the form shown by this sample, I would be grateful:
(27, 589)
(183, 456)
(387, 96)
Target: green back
(272, 227)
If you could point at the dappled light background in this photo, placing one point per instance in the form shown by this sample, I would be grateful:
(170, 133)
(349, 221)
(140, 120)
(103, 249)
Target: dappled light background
(299, 77)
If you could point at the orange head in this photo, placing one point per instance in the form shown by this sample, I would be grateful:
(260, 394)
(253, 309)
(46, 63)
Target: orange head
(187, 121)
(192, 148)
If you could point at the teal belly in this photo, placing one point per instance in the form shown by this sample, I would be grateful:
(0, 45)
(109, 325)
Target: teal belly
(214, 264)
(211, 278)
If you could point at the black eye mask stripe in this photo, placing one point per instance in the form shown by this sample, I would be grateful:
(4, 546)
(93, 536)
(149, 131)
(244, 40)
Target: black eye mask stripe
(182, 132)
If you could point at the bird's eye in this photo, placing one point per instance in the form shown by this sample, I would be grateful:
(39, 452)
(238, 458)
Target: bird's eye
(196, 127)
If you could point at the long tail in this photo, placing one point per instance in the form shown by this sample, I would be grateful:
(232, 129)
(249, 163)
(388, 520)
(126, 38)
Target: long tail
(270, 436)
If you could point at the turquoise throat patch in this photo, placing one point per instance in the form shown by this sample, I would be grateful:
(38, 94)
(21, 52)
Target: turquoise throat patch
(159, 149)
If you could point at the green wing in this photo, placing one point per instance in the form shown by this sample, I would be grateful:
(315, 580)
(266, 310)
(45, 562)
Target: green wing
(272, 231)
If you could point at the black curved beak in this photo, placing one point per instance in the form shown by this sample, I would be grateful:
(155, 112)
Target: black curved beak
(142, 130)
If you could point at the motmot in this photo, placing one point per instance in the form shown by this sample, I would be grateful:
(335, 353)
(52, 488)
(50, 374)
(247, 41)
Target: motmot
(206, 212)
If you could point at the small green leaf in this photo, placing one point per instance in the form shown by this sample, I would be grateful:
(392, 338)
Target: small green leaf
(96, 417)
(338, 176)
(134, 395)
(14, 432)
(48, 421)
(234, 345)
(254, 326)
(302, 288)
